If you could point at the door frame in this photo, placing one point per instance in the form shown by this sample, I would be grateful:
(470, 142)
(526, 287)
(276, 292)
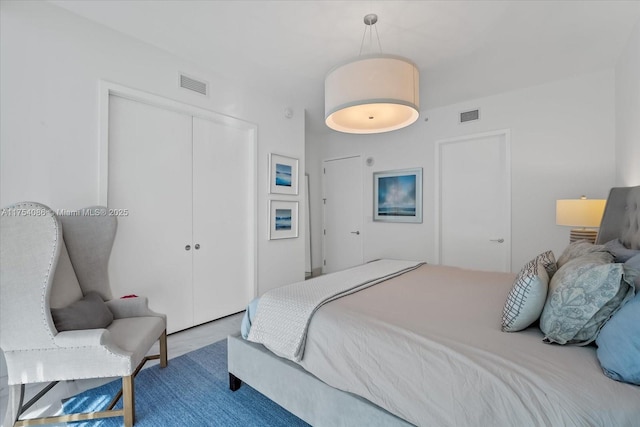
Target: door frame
(506, 133)
(107, 89)
(324, 214)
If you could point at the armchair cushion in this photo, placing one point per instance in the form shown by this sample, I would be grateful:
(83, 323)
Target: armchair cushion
(136, 334)
(89, 312)
(132, 307)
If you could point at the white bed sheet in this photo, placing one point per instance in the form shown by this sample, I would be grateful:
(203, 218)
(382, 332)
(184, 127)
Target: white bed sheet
(427, 346)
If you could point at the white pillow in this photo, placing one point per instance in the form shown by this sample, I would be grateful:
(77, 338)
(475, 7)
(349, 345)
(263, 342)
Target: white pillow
(577, 249)
(529, 292)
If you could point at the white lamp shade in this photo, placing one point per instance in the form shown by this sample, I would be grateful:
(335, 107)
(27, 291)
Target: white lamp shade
(580, 212)
(372, 94)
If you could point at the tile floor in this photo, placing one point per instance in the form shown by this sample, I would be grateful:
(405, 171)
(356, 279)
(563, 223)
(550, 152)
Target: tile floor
(178, 344)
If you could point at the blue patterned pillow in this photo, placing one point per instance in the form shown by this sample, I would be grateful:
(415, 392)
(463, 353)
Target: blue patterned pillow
(570, 270)
(528, 294)
(583, 295)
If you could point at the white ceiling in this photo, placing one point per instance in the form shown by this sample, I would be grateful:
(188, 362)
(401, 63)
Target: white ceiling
(464, 49)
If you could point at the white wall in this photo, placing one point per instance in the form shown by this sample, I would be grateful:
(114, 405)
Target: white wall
(628, 112)
(562, 146)
(51, 63)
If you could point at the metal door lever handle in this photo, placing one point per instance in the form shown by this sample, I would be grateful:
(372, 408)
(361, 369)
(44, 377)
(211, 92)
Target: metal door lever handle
(355, 232)
(497, 240)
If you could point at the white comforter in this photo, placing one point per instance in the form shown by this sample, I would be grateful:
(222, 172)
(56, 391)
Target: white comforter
(283, 314)
(427, 346)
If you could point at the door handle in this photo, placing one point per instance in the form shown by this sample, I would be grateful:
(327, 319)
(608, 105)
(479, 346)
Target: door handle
(187, 248)
(197, 246)
(500, 240)
(355, 232)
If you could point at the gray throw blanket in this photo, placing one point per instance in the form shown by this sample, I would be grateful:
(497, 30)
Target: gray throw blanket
(284, 313)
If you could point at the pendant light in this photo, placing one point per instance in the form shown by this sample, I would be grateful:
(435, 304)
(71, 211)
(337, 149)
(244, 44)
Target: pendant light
(372, 93)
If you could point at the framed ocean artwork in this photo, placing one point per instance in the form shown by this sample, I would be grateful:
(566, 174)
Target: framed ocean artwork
(397, 195)
(283, 219)
(283, 174)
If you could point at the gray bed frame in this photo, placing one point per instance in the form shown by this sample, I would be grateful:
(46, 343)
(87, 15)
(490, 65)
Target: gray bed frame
(298, 391)
(307, 397)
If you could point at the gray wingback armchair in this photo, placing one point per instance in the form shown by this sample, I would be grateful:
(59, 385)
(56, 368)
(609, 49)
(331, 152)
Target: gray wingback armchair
(54, 262)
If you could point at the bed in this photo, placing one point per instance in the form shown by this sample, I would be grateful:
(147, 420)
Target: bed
(426, 347)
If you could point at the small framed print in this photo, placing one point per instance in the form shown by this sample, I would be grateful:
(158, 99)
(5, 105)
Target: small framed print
(397, 195)
(283, 174)
(283, 219)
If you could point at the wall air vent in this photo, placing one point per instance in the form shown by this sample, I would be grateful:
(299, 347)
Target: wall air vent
(469, 116)
(192, 84)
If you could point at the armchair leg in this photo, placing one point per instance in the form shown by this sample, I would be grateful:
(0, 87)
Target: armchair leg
(163, 349)
(128, 400)
(14, 404)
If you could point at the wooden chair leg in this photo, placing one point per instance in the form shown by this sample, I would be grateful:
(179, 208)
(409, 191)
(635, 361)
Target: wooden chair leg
(163, 349)
(128, 401)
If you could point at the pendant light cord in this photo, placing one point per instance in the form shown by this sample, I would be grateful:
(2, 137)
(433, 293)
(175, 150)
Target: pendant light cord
(370, 26)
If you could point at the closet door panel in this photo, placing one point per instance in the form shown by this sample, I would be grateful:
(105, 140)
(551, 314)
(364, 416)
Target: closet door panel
(223, 215)
(150, 155)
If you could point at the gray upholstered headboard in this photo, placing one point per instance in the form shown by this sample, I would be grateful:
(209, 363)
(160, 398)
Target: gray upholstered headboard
(621, 217)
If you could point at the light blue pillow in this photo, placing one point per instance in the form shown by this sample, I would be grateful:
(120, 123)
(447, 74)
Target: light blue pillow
(248, 317)
(583, 294)
(619, 344)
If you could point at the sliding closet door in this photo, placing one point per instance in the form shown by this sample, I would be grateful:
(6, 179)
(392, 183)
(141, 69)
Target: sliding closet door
(223, 219)
(150, 157)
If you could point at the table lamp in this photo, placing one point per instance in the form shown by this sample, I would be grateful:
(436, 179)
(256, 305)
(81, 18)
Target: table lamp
(582, 213)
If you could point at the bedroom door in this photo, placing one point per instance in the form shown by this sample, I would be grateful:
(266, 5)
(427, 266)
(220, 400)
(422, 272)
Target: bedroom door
(342, 214)
(473, 219)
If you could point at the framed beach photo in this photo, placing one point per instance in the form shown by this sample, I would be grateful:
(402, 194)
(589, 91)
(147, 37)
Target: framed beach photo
(397, 195)
(283, 219)
(283, 174)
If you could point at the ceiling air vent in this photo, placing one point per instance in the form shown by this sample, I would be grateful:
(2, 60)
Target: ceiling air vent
(469, 116)
(189, 83)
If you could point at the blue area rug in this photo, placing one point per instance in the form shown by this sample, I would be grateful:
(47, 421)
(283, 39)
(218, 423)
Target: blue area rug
(193, 390)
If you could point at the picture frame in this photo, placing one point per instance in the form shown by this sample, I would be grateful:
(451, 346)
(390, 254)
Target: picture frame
(283, 219)
(397, 196)
(283, 174)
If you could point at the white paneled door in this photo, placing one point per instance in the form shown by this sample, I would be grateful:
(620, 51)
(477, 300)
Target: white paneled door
(150, 176)
(474, 216)
(222, 229)
(188, 183)
(342, 219)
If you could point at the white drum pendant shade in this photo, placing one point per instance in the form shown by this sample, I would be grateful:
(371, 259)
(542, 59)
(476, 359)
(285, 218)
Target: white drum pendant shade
(372, 94)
